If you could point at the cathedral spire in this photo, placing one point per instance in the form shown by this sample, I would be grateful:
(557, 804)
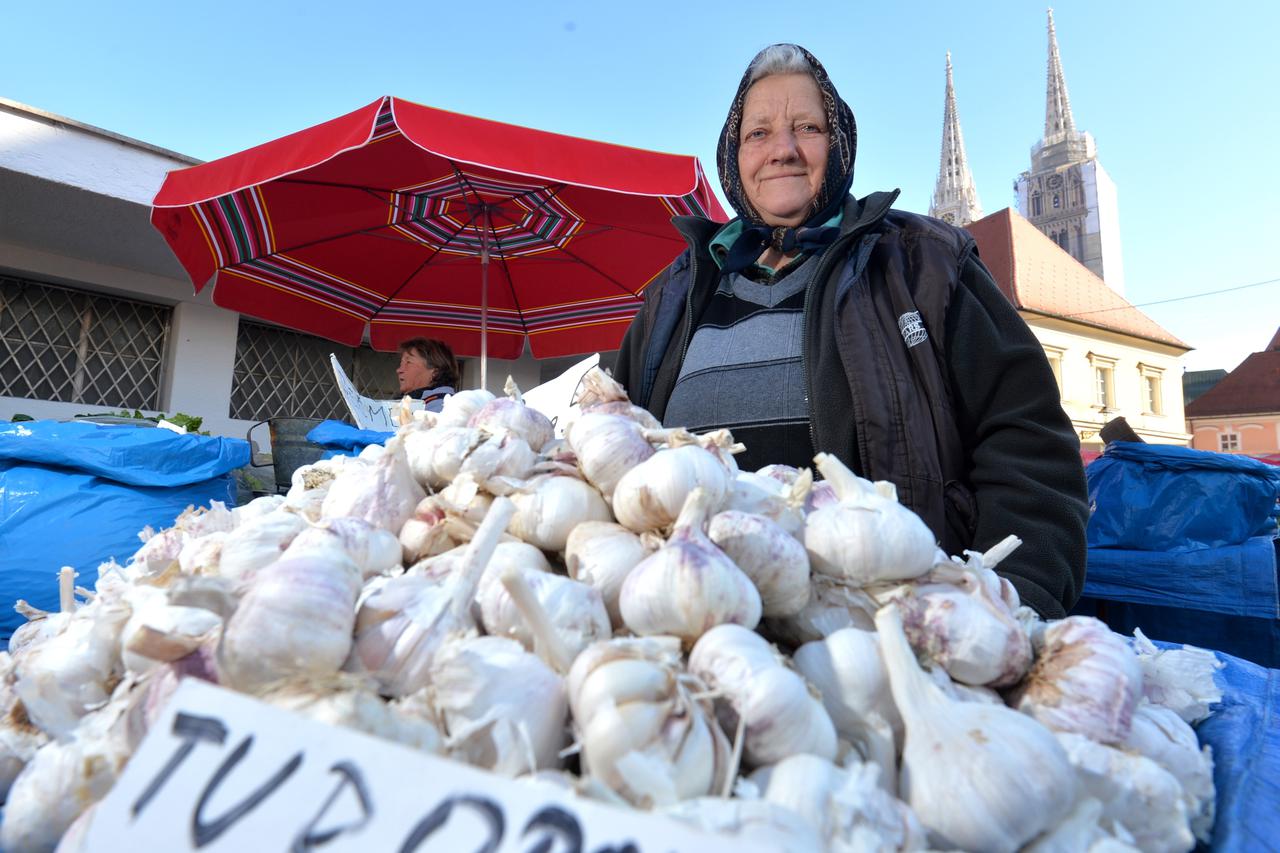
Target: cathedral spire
(1058, 122)
(955, 198)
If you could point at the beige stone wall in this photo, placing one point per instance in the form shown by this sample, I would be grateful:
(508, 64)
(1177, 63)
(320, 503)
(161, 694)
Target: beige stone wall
(1078, 353)
(1237, 434)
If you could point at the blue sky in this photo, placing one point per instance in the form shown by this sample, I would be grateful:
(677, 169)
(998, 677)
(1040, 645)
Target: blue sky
(1181, 98)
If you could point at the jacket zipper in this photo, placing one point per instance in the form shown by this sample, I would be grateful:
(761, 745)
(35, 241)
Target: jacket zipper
(824, 269)
(688, 305)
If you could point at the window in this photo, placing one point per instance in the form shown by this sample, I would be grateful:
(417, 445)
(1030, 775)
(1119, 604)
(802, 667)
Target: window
(1102, 381)
(1036, 209)
(281, 373)
(1057, 200)
(1229, 442)
(1104, 389)
(72, 346)
(1055, 364)
(1152, 391)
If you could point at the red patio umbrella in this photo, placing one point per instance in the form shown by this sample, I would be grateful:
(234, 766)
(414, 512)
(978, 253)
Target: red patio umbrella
(388, 217)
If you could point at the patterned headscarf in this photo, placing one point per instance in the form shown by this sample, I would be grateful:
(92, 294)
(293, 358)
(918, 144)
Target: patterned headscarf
(836, 182)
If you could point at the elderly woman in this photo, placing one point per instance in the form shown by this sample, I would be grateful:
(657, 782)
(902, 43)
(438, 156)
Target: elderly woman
(816, 321)
(428, 371)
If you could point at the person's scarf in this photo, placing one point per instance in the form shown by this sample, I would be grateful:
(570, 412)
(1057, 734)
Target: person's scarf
(809, 236)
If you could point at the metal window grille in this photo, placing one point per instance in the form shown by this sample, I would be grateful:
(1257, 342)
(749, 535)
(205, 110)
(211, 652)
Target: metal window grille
(72, 346)
(282, 373)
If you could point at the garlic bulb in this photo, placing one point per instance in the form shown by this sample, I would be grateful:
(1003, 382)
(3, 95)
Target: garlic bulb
(202, 556)
(847, 671)
(383, 493)
(868, 536)
(624, 409)
(159, 632)
(202, 521)
(61, 679)
(1081, 830)
(576, 611)
(963, 624)
(19, 738)
(436, 454)
(346, 701)
(774, 560)
(597, 387)
(1164, 737)
(458, 408)
(833, 604)
(258, 542)
(688, 586)
(1178, 679)
(847, 806)
(398, 632)
(256, 508)
(373, 549)
(400, 627)
(643, 734)
(295, 619)
(158, 551)
(1085, 680)
(601, 554)
(550, 506)
(504, 455)
(504, 709)
(607, 446)
(503, 415)
(1136, 792)
(778, 500)
(650, 495)
(424, 534)
(979, 777)
(63, 779)
(763, 824)
(780, 713)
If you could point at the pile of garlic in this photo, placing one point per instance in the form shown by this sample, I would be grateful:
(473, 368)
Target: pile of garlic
(626, 614)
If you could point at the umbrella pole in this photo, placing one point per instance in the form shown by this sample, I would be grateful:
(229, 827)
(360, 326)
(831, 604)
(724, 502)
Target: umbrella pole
(484, 302)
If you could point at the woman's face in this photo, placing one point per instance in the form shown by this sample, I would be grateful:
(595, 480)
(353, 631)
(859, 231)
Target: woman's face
(414, 372)
(782, 147)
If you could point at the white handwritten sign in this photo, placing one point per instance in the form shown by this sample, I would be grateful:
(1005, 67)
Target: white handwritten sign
(220, 771)
(367, 412)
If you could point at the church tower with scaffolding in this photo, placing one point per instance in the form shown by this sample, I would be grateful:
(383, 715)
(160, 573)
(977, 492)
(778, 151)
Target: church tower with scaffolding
(1066, 193)
(955, 198)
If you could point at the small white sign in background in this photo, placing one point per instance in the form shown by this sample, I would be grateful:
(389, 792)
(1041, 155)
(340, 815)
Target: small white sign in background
(222, 772)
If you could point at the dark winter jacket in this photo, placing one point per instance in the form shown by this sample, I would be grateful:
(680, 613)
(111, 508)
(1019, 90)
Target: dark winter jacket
(919, 372)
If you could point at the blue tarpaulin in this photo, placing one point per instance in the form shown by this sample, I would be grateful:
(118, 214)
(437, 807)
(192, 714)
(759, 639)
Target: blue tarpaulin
(77, 494)
(1147, 497)
(1237, 580)
(342, 438)
(1244, 733)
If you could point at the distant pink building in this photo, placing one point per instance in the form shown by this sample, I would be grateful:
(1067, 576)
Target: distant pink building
(1241, 414)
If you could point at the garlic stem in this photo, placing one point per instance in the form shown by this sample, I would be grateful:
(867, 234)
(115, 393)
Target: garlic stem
(735, 757)
(993, 555)
(913, 689)
(693, 515)
(845, 483)
(479, 552)
(547, 640)
(512, 390)
(66, 589)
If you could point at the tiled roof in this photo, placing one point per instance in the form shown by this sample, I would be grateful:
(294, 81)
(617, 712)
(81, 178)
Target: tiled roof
(1037, 275)
(1253, 387)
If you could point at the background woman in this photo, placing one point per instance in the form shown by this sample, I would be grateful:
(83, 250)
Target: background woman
(428, 371)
